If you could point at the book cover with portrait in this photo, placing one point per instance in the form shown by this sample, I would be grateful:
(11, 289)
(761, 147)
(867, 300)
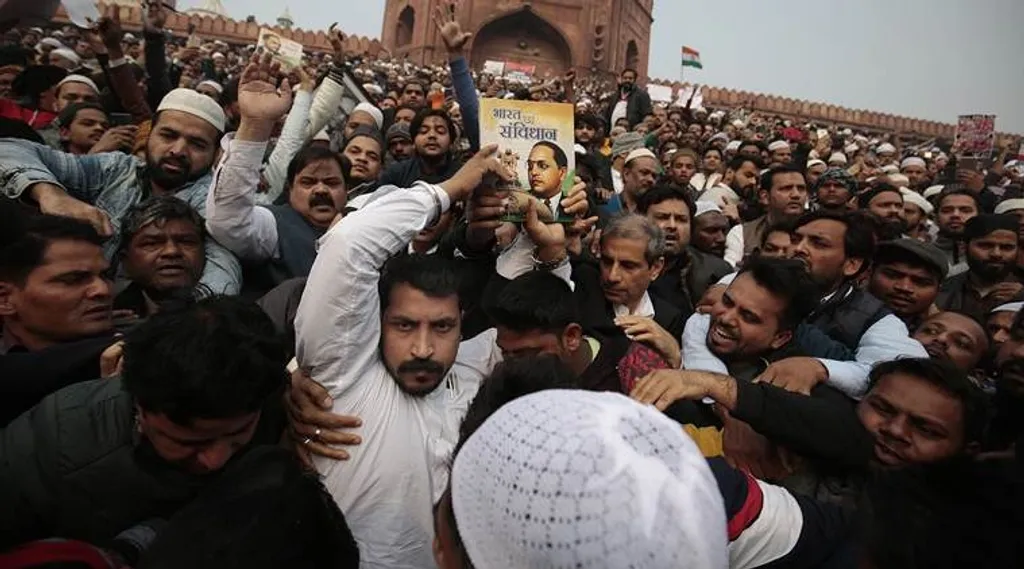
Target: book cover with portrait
(535, 143)
(283, 50)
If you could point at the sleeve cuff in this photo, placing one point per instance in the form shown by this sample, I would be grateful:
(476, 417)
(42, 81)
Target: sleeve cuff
(117, 62)
(247, 152)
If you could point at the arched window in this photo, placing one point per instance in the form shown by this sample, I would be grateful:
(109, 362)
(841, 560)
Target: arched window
(406, 25)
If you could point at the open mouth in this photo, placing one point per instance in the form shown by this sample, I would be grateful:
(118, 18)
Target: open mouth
(721, 334)
(886, 455)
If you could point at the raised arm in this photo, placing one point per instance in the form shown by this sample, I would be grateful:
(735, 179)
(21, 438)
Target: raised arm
(326, 105)
(462, 81)
(293, 137)
(338, 322)
(120, 75)
(232, 217)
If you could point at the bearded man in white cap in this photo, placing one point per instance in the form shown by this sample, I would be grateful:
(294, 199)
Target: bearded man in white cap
(917, 212)
(101, 189)
(916, 171)
(781, 153)
(886, 154)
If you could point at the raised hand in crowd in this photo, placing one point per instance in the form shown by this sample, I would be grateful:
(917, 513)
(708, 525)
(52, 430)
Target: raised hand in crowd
(447, 22)
(154, 16)
(111, 33)
(261, 102)
(474, 172)
(337, 39)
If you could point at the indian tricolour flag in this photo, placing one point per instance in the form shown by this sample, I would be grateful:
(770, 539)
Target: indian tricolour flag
(691, 58)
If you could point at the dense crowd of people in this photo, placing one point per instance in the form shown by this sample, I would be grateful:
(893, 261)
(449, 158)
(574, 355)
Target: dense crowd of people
(257, 317)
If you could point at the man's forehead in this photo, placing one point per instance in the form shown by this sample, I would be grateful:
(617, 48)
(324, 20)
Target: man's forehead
(624, 248)
(669, 206)
(827, 228)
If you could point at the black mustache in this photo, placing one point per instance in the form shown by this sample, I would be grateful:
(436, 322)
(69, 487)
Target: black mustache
(182, 162)
(321, 198)
(414, 366)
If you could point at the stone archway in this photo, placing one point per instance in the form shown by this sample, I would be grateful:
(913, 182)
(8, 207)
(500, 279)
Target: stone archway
(525, 38)
(406, 26)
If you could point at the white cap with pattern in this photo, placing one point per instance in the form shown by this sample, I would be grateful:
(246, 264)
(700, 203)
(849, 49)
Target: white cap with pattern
(567, 478)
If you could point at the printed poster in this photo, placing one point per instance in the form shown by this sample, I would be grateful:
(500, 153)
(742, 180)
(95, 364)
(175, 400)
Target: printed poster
(660, 93)
(283, 50)
(520, 72)
(495, 68)
(536, 143)
(975, 136)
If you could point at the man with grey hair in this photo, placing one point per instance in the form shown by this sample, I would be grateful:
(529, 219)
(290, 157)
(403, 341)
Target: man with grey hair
(613, 294)
(162, 242)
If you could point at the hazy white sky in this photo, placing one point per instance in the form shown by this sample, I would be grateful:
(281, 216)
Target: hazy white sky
(930, 59)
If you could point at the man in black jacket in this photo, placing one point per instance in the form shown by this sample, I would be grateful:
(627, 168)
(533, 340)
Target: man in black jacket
(631, 103)
(198, 387)
(614, 295)
(55, 306)
(687, 272)
(917, 411)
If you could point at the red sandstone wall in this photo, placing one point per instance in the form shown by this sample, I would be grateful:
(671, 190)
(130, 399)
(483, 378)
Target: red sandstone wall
(240, 32)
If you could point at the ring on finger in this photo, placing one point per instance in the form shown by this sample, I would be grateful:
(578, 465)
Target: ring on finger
(316, 434)
(305, 441)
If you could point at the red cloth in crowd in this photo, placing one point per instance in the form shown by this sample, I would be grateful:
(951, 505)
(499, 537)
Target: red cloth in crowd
(34, 118)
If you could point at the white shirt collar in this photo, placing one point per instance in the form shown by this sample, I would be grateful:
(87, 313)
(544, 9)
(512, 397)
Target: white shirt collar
(644, 309)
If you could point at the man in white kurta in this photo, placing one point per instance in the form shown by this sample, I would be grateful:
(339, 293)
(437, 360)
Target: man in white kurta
(389, 485)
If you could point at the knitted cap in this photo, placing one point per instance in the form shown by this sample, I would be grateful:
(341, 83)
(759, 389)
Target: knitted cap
(398, 131)
(566, 478)
(626, 143)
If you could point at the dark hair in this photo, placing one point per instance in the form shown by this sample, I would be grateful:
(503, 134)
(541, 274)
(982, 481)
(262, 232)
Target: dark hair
(217, 358)
(712, 148)
(432, 275)
(631, 70)
(788, 280)
(311, 153)
(16, 129)
(26, 236)
(739, 160)
(948, 378)
(588, 119)
(159, 210)
(417, 123)
(780, 227)
(761, 147)
(560, 158)
(67, 116)
(510, 380)
(413, 81)
(658, 194)
(864, 199)
(956, 191)
(888, 255)
(859, 238)
(406, 108)
(768, 178)
(263, 511)
(363, 131)
(536, 300)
